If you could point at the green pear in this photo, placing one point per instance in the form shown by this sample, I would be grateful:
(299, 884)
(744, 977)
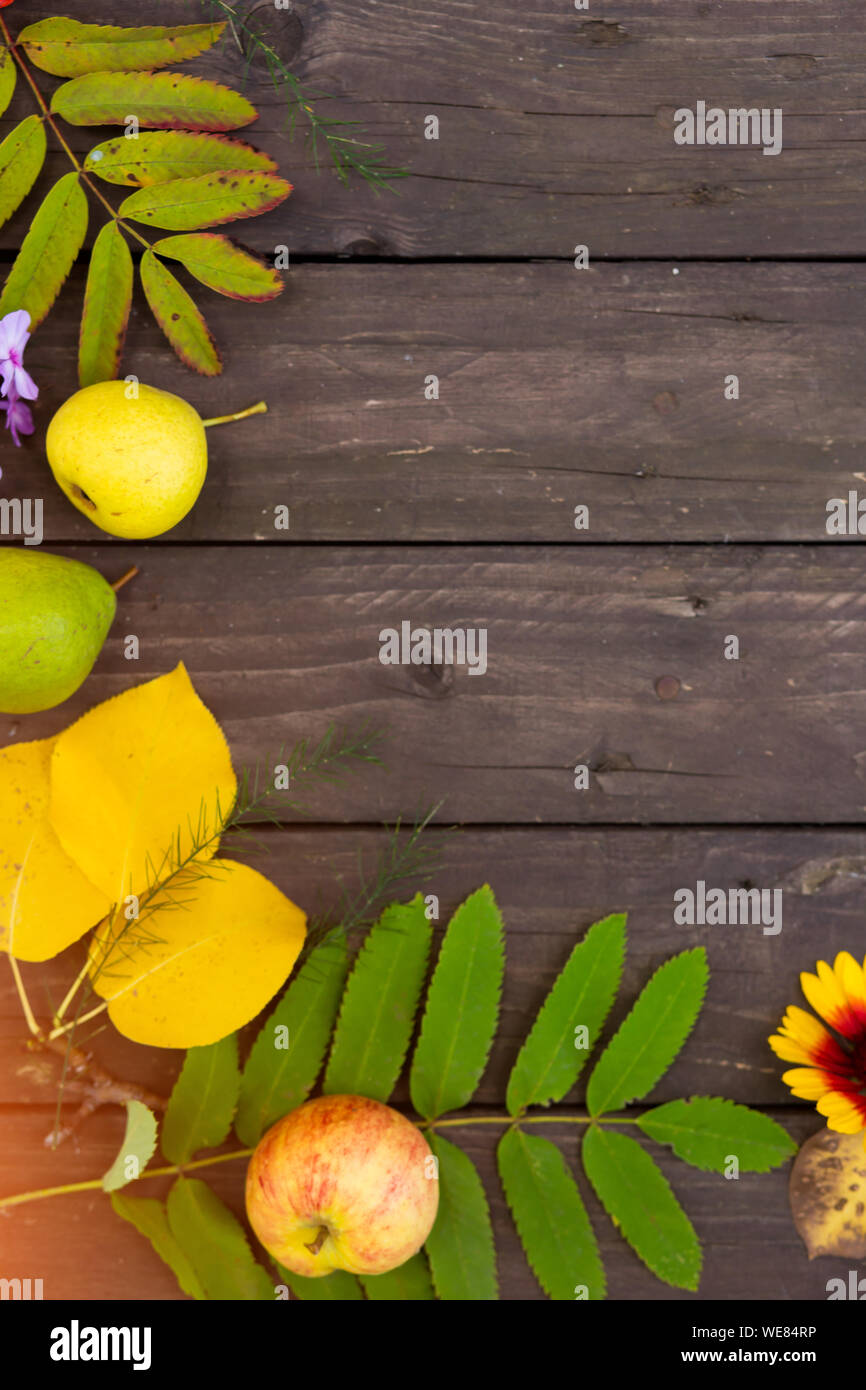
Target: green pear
(54, 618)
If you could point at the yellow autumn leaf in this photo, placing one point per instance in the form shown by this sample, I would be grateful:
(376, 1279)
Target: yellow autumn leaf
(46, 903)
(134, 781)
(185, 977)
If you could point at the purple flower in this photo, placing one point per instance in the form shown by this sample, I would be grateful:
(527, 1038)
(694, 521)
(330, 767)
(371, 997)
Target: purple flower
(14, 337)
(16, 384)
(19, 420)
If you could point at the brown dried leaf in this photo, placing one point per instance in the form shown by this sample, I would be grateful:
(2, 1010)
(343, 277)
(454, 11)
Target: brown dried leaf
(828, 1194)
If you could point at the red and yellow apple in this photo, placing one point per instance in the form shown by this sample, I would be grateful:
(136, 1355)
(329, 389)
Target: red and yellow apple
(342, 1182)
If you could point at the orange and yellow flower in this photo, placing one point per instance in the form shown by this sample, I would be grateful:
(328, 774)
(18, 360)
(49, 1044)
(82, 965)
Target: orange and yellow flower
(832, 1069)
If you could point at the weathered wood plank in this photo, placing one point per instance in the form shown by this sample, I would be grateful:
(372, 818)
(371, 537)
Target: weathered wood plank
(551, 884)
(282, 640)
(556, 127)
(557, 388)
(751, 1249)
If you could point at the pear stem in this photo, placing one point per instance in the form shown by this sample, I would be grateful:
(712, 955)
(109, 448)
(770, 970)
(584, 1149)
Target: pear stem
(125, 578)
(260, 408)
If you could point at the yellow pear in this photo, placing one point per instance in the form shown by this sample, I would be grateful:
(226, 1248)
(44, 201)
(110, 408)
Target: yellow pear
(132, 458)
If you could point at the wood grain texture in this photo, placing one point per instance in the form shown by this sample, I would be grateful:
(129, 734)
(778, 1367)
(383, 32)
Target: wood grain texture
(280, 642)
(557, 388)
(751, 1249)
(551, 884)
(556, 127)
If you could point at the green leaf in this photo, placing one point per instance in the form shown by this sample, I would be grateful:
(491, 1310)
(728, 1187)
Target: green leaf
(158, 100)
(460, 1246)
(187, 204)
(213, 1241)
(22, 155)
(137, 1148)
(549, 1062)
(277, 1079)
(378, 1009)
(66, 48)
(706, 1132)
(8, 77)
(338, 1287)
(107, 301)
(48, 251)
(637, 1197)
(158, 156)
(550, 1217)
(178, 317)
(462, 1008)
(202, 1104)
(149, 1218)
(409, 1283)
(649, 1039)
(222, 266)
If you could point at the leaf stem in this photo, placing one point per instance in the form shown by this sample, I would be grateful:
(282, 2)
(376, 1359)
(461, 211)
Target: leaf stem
(95, 1184)
(73, 989)
(260, 408)
(46, 112)
(29, 1017)
(527, 1120)
(67, 1027)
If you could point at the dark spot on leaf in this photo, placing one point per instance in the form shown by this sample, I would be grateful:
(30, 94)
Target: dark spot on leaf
(175, 317)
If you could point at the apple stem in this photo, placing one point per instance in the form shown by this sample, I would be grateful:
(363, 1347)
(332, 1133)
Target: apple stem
(125, 578)
(315, 1245)
(260, 408)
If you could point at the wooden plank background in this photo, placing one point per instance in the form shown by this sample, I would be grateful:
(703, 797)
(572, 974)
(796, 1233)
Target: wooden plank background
(556, 127)
(558, 388)
(550, 885)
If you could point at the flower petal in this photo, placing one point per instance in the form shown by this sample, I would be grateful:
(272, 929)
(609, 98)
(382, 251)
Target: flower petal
(25, 385)
(852, 978)
(14, 332)
(844, 1113)
(808, 1083)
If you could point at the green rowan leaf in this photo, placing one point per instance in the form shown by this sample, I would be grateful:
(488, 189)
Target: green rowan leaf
(178, 317)
(137, 1148)
(550, 1217)
(149, 1218)
(649, 1039)
(222, 266)
(277, 1079)
(338, 1287)
(213, 1241)
(186, 205)
(22, 155)
(462, 1008)
(158, 100)
(107, 301)
(460, 1246)
(549, 1062)
(8, 77)
(48, 251)
(409, 1283)
(67, 48)
(202, 1103)
(637, 1197)
(159, 156)
(707, 1132)
(379, 1004)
